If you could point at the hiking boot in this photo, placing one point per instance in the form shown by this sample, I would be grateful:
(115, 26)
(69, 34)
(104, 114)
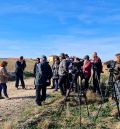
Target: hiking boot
(1, 97)
(7, 98)
(38, 103)
(24, 88)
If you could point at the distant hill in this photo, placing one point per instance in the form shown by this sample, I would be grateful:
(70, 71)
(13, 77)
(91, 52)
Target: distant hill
(3, 58)
(11, 64)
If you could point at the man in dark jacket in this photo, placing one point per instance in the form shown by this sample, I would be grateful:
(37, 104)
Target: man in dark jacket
(97, 68)
(43, 74)
(20, 66)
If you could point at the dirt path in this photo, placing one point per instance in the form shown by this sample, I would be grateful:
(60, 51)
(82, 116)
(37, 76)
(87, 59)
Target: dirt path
(20, 100)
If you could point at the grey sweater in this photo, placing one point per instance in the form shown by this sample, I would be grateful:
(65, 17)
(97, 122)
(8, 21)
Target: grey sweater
(63, 68)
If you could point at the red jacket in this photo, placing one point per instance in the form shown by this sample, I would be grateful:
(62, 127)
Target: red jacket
(87, 69)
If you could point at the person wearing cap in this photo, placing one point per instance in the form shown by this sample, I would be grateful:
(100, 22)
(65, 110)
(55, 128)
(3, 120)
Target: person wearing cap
(63, 74)
(20, 66)
(97, 67)
(87, 70)
(34, 70)
(43, 75)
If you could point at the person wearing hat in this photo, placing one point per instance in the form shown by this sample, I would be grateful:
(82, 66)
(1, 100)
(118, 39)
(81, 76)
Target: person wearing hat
(43, 75)
(87, 70)
(63, 72)
(20, 66)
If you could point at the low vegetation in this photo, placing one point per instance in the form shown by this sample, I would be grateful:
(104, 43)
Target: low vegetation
(48, 117)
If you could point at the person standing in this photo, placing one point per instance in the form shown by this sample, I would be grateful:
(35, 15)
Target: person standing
(63, 75)
(35, 66)
(117, 67)
(20, 66)
(43, 76)
(4, 75)
(97, 69)
(117, 76)
(87, 71)
(55, 69)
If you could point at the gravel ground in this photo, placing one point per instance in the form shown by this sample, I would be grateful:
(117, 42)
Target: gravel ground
(20, 100)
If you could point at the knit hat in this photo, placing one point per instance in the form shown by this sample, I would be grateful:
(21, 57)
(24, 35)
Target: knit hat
(43, 57)
(86, 57)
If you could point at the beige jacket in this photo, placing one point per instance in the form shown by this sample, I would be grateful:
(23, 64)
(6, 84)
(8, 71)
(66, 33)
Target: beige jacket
(3, 75)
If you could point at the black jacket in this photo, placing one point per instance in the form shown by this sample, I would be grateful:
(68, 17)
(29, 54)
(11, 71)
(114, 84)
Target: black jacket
(20, 67)
(43, 73)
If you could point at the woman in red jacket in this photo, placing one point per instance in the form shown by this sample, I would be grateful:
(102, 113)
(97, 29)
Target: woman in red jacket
(87, 70)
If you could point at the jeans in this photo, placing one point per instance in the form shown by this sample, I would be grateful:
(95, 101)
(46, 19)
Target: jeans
(3, 87)
(55, 83)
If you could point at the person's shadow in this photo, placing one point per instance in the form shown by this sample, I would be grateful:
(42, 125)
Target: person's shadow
(25, 97)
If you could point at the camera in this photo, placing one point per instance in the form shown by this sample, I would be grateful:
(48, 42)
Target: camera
(111, 65)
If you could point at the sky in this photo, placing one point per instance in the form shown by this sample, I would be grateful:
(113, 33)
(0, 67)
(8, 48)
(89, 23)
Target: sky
(48, 27)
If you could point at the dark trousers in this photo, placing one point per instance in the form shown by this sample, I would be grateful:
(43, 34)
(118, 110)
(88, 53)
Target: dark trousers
(55, 83)
(40, 93)
(74, 80)
(87, 82)
(96, 80)
(20, 77)
(3, 87)
(63, 84)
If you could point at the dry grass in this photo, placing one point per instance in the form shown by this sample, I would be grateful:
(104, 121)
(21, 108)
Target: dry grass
(11, 65)
(91, 97)
(44, 124)
(7, 125)
(117, 125)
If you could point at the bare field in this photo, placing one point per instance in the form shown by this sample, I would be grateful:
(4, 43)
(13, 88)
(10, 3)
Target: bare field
(11, 65)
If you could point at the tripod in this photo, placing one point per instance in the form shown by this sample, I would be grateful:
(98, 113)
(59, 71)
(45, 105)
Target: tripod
(113, 87)
(97, 87)
(80, 94)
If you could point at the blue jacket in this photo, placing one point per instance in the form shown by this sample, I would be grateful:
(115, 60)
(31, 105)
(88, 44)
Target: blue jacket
(43, 73)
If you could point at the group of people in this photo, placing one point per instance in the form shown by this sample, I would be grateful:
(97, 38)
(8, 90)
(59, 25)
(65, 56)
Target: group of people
(67, 69)
(64, 74)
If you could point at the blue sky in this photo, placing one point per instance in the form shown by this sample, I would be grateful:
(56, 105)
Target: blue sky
(78, 27)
